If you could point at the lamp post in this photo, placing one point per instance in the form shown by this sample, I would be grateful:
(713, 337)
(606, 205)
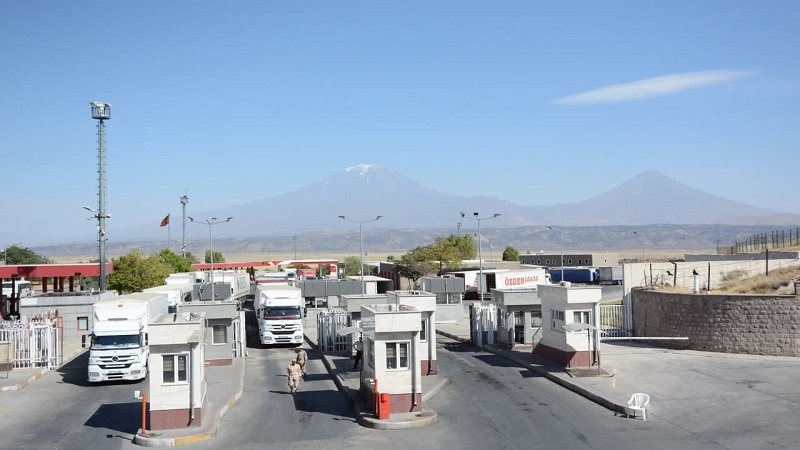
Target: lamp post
(480, 256)
(211, 222)
(294, 238)
(361, 245)
(642, 240)
(101, 112)
(184, 202)
(561, 238)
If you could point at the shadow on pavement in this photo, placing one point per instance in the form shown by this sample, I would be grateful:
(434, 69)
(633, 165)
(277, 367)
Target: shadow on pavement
(121, 417)
(76, 371)
(496, 360)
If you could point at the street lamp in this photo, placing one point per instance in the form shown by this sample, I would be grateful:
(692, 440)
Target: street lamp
(642, 239)
(361, 245)
(480, 256)
(101, 112)
(561, 238)
(184, 202)
(210, 222)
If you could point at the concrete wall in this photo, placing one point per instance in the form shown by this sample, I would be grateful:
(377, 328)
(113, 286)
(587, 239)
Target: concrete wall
(750, 324)
(69, 308)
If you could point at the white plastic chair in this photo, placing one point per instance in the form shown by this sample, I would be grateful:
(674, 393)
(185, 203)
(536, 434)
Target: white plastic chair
(638, 402)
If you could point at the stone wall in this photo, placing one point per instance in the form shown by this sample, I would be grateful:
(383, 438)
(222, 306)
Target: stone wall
(750, 324)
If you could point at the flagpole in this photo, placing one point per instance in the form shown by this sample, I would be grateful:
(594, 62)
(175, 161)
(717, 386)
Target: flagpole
(169, 231)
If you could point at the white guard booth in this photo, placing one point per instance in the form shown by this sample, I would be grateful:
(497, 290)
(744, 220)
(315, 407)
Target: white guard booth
(177, 379)
(563, 306)
(425, 303)
(391, 355)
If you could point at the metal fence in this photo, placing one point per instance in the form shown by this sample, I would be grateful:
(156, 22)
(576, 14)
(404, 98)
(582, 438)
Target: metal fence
(33, 343)
(328, 323)
(612, 321)
(764, 241)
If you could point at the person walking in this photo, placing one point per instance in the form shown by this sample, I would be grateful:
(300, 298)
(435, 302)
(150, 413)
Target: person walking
(358, 346)
(302, 360)
(293, 373)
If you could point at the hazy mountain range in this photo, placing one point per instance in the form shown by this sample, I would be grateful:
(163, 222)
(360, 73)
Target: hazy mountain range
(365, 191)
(414, 215)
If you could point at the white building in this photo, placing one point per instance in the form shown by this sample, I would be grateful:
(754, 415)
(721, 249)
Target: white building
(565, 307)
(177, 381)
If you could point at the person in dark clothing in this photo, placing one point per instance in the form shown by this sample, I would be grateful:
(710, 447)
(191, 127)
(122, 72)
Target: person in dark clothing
(358, 346)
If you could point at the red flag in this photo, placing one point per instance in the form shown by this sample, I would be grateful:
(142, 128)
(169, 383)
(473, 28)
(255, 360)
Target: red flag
(165, 221)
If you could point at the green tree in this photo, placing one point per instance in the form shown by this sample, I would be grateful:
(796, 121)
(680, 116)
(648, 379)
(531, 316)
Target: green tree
(218, 258)
(411, 267)
(134, 272)
(467, 248)
(510, 254)
(192, 258)
(18, 255)
(351, 266)
(176, 262)
(444, 253)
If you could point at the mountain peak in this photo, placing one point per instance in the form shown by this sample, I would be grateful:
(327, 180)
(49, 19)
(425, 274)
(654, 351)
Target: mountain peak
(363, 169)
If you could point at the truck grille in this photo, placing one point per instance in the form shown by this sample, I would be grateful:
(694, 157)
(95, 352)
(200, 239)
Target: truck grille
(116, 362)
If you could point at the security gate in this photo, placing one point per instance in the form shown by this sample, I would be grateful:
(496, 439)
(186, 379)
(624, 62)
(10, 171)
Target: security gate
(484, 324)
(33, 343)
(612, 321)
(328, 323)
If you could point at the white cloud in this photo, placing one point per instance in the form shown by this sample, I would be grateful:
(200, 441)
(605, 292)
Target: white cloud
(652, 87)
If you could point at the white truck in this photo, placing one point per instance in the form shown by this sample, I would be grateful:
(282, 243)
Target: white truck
(119, 347)
(279, 310)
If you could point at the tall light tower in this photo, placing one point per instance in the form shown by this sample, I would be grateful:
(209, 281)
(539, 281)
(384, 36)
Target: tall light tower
(361, 245)
(101, 112)
(561, 238)
(184, 202)
(480, 255)
(211, 222)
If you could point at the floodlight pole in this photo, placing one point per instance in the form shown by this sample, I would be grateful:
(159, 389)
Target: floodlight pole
(210, 222)
(561, 238)
(480, 255)
(101, 112)
(361, 245)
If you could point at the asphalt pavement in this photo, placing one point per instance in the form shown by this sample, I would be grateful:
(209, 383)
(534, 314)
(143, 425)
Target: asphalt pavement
(696, 390)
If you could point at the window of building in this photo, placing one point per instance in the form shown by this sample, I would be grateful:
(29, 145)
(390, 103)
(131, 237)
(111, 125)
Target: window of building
(174, 369)
(397, 355)
(539, 261)
(423, 331)
(220, 335)
(557, 319)
(83, 323)
(536, 316)
(570, 261)
(581, 317)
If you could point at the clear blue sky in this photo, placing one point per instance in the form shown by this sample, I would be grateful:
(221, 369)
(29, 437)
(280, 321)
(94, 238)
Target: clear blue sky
(533, 102)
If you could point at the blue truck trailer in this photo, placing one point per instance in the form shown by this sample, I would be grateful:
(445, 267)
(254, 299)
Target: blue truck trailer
(586, 275)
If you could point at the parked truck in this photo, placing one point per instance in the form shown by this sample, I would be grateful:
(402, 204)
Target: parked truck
(610, 275)
(118, 344)
(279, 309)
(585, 275)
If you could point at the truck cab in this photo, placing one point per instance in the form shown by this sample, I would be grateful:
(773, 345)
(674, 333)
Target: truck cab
(118, 350)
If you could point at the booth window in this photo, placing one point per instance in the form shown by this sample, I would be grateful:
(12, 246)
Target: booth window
(397, 355)
(174, 369)
(220, 335)
(83, 323)
(423, 331)
(581, 317)
(556, 319)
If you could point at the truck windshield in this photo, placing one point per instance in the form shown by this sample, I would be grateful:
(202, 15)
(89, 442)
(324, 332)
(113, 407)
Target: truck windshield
(282, 312)
(120, 341)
